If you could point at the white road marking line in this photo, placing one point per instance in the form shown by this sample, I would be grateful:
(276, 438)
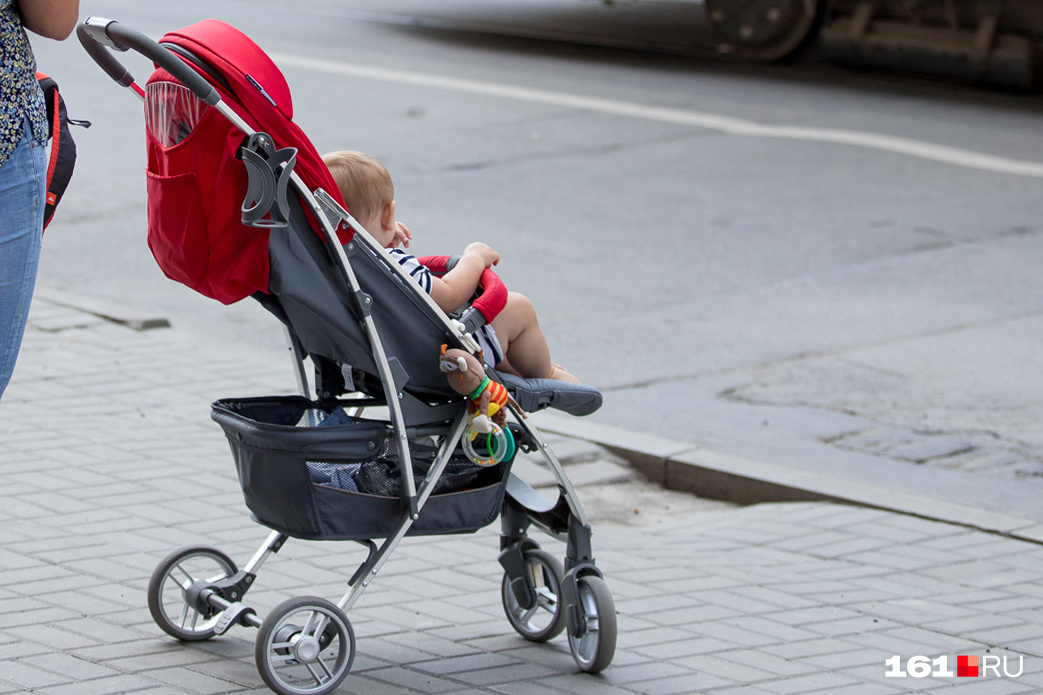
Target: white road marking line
(724, 124)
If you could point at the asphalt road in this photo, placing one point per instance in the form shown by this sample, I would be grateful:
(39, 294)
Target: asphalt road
(755, 258)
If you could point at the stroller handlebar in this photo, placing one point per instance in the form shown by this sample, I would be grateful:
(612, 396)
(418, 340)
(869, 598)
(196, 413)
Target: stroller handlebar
(489, 303)
(97, 35)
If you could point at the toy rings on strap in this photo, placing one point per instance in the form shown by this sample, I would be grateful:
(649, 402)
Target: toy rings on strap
(490, 301)
(498, 444)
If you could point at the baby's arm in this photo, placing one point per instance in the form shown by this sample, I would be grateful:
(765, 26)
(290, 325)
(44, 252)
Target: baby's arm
(453, 289)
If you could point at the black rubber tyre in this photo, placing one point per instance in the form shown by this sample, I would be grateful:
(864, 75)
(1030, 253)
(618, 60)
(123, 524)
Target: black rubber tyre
(169, 584)
(595, 645)
(546, 619)
(305, 647)
(762, 31)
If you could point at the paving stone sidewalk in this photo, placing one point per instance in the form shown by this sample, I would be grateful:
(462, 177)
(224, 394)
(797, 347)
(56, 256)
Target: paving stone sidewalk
(109, 460)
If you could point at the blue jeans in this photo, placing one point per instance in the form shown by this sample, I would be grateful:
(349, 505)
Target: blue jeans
(23, 185)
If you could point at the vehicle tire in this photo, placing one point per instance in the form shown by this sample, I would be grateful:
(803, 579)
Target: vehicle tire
(763, 30)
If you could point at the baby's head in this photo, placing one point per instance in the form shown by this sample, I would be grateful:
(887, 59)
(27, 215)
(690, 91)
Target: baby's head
(367, 189)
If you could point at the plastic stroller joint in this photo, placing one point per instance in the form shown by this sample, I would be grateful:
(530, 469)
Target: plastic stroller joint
(236, 614)
(578, 548)
(574, 614)
(204, 596)
(512, 559)
(579, 562)
(363, 302)
(98, 30)
(94, 39)
(367, 566)
(472, 318)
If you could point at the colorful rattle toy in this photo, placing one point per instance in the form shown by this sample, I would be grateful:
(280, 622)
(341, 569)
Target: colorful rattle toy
(486, 403)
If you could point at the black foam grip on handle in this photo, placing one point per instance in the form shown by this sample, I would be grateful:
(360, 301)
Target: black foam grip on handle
(98, 35)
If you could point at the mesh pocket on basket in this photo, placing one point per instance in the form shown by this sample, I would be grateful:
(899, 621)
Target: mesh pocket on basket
(338, 475)
(315, 417)
(381, 475)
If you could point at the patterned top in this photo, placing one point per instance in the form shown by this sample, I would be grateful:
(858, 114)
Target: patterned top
(418, 272)
(20, 93)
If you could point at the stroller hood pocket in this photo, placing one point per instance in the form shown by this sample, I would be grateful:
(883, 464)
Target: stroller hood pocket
(195, 192)
(177, 237)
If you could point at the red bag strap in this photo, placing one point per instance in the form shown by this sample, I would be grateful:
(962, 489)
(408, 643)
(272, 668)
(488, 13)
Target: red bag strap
(63, 148)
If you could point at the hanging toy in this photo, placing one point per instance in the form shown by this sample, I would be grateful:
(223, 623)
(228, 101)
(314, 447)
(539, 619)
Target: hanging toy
(487, 402)
(499, 445)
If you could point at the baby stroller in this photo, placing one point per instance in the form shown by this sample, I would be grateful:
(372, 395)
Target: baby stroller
(377, 446)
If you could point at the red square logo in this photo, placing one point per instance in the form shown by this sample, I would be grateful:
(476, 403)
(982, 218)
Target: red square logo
(967, 666)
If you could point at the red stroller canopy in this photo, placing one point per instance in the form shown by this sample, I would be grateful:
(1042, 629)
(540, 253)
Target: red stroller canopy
(196, 184)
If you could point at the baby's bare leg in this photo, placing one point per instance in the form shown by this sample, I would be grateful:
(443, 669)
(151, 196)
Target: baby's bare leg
(518, 330)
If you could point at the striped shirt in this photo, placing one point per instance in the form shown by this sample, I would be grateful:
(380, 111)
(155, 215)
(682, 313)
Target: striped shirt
(413, 268)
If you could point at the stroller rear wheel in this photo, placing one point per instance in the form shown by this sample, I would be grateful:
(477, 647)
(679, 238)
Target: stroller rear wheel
(305, 647)
(168, 591)
(545, 618)
(593, 639)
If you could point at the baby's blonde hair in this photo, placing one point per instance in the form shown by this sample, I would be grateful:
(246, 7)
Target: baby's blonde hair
(363, 181)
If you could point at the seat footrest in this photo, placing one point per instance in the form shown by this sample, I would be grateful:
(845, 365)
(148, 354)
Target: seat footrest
(537, 394)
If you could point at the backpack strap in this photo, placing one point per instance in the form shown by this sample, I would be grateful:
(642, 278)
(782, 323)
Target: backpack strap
(63, 149)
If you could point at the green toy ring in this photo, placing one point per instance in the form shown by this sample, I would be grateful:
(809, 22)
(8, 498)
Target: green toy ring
(499, 445)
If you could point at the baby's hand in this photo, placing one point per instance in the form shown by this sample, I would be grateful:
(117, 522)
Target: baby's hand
(488, 256)
(402, 236)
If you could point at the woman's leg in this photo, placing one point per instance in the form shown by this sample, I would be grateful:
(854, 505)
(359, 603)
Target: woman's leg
(22, 189)
(518, 330)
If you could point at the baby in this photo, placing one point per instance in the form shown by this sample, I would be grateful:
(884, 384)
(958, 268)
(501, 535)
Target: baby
(513, 342)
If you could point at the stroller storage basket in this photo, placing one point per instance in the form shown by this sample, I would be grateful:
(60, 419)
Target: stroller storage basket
(319, 474)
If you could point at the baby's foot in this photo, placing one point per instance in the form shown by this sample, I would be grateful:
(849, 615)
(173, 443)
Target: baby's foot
(562, 374)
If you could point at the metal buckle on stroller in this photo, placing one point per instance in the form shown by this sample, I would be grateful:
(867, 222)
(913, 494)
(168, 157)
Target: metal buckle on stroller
(364, 311)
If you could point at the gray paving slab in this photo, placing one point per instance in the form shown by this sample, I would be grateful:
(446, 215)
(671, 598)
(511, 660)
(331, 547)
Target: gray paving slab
(108, 460)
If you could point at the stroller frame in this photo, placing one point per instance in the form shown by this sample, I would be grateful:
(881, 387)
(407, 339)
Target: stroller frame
(207, 587)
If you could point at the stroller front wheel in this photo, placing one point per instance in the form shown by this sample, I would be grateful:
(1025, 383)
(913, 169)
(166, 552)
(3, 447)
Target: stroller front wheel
(545, 618)
(593, 639)
(305, 647)
(169, 586)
